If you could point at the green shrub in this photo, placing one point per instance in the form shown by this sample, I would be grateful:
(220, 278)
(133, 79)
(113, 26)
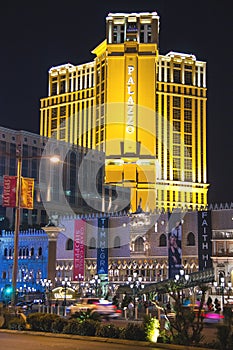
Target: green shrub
(107, 331)
(71, 327)
(133, 332)
(17, 323)
(58, 325)
(41, 322)
(8, 315)
(86, 315)
(34, 321)
(224, 338)
(46, 321)
(87, 327)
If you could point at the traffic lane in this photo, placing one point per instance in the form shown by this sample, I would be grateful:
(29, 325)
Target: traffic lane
(22, 341)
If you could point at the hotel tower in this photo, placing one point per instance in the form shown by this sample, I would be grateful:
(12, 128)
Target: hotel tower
(145, 110)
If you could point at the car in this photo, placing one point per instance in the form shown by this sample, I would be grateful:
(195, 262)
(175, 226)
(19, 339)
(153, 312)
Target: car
(98, 306)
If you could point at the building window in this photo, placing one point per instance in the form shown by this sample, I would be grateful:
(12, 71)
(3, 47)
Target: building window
(92, 244)
(188, 77)
(54, 89)
(163, 240)
(62, 111)
(191, 239)
(32, 252)
(176, 76)
(62, 87)
(117, 242)
(69, 244)
(145, 33)
(40, 251)
(118, 34)
(139, 246)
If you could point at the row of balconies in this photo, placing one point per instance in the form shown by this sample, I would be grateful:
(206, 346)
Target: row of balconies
(222, 254)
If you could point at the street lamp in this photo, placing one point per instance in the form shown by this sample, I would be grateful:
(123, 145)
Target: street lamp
(136, 285)
(47, 284)
(221, 288)
(96, 283)
(65, 284)
(182, 279)
(19, 158)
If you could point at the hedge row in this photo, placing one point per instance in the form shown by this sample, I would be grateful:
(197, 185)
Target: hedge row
(85, 327)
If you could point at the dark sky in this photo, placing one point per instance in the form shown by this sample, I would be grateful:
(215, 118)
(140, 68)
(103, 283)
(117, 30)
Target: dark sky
(36, 35)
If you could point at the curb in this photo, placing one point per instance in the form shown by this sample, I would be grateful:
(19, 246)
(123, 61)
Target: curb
(107, 340)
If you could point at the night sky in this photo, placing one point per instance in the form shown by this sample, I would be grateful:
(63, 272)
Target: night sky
(36, 36)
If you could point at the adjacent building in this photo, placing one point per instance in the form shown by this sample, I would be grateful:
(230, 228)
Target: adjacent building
(74, 185)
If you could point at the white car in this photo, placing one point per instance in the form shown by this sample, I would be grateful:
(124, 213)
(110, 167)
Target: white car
(95, 305)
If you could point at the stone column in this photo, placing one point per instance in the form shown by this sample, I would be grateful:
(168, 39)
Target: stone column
(52, 232)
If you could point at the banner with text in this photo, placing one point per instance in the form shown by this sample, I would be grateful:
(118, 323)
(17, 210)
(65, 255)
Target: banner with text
(204, 240)
(79, 249)
(27, 193)
(9, 191)
(175, 244)
(102, 247)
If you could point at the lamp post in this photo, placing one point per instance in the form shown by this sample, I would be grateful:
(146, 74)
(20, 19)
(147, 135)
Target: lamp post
(65, 284)
(221, 288)
(47, 284)
(136, 285)
(19, 159)
(182, 279)
(17, 226)
(95, 282)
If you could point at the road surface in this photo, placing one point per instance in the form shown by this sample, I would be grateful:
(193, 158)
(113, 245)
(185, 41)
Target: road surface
(21, 341)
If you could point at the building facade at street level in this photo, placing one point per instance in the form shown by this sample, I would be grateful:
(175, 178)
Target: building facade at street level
(57, 186)
(136, 243)
(140, 243)
(32, 260)
(145, 110)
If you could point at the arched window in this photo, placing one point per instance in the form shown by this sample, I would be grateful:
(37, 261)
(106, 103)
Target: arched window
(117, 242)
(27, 252)
(5, 252)
(162, 240)
(32, 252)
(139, 247)
(69, 244)
(191, 239)
(40, 251)
(92, 244)
(20, 252)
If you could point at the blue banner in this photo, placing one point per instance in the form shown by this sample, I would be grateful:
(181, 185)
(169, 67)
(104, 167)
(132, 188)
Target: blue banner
(102, 247)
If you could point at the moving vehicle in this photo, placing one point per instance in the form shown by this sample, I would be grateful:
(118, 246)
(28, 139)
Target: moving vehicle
(95, 305)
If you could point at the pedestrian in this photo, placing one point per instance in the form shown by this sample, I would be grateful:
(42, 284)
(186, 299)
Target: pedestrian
(131, 308)
(217, 305)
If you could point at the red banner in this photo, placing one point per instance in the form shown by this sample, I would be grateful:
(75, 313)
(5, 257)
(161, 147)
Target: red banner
(9, 191)
(27, 192)
(79, 250)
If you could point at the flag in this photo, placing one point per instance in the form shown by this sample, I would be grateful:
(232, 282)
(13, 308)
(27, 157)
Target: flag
(9, 191)
(27, 192)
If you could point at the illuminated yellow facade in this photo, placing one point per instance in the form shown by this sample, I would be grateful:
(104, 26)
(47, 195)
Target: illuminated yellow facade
(146, 111)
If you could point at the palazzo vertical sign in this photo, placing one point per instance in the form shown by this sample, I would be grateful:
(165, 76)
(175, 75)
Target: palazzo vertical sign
(131, 102)
(204, 240)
